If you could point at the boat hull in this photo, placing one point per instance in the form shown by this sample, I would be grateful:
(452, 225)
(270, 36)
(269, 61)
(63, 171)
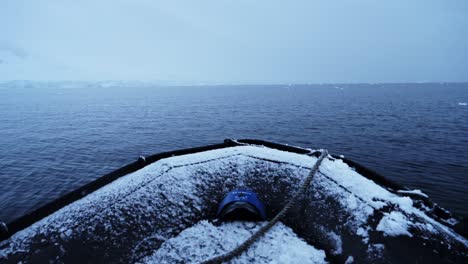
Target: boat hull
(343, 213)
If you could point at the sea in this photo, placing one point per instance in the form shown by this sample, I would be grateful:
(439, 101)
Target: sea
(58, 136)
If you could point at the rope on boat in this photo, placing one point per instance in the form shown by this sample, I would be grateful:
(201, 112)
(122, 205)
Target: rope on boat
(246, 244)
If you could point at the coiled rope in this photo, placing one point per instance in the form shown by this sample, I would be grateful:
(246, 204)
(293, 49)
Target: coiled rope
(244, 246)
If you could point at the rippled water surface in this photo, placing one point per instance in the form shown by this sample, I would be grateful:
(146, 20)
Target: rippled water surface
(55, 138)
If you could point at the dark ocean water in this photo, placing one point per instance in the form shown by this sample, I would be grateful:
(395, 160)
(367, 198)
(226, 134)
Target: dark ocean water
(54, 139)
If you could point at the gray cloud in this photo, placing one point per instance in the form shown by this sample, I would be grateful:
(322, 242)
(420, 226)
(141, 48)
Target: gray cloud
(16, 51)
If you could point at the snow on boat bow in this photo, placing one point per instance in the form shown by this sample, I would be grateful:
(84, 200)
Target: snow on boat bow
(158, 213)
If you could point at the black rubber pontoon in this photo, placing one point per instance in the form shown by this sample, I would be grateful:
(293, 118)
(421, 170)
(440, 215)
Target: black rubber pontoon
(132, 213)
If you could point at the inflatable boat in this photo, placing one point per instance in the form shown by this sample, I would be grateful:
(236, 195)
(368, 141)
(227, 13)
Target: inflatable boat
(162, 209)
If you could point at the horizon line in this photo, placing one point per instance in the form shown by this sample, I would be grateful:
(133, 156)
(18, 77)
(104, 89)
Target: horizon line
(215, 83)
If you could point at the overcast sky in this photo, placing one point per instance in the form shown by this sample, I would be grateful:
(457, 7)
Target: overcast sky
(235, 41)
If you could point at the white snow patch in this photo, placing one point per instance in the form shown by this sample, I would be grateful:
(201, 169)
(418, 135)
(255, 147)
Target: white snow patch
(394, 224)
(204, 241)
(337, 243)
(364, 233)
(375, 249)
(349, 260)
(417, 192)
(372, 196)
(250, 151)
